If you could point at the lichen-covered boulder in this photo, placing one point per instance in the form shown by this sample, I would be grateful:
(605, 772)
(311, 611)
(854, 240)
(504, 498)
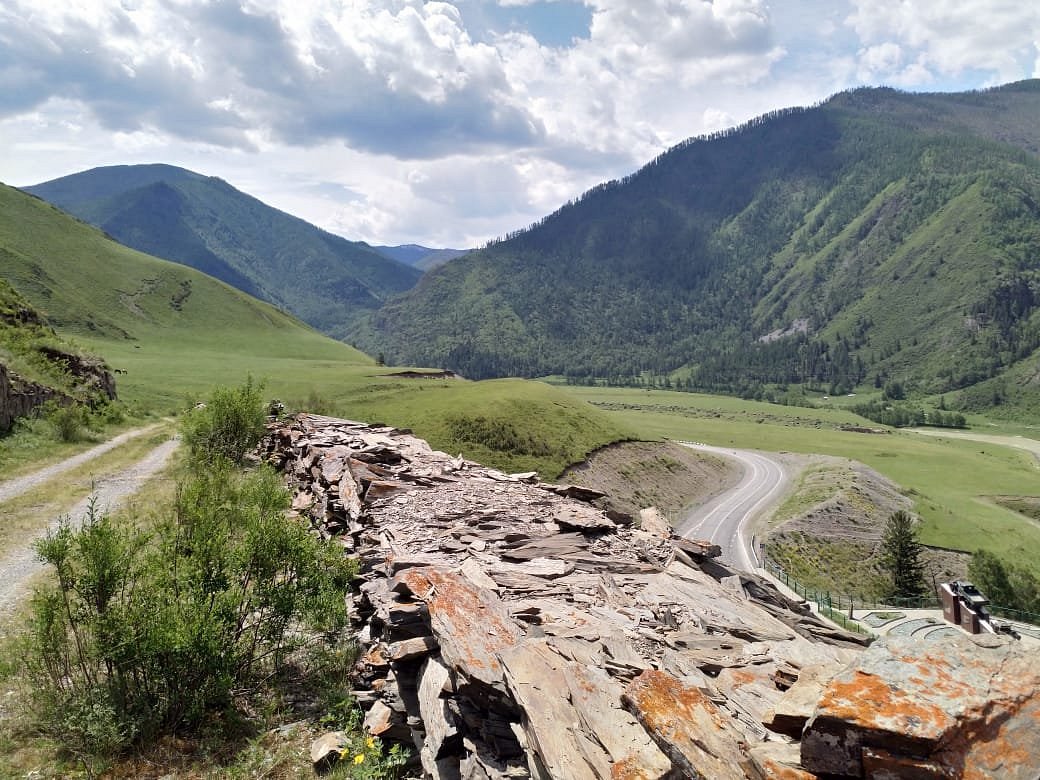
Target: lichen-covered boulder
(958, 706)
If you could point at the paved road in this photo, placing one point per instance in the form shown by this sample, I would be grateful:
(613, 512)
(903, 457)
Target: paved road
(13, 488)
(19, 565)
(725, 520)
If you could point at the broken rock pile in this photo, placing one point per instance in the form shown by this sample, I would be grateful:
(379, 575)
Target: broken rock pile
(509, 628)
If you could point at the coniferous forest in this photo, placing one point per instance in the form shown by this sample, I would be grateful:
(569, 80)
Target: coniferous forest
(877, 237)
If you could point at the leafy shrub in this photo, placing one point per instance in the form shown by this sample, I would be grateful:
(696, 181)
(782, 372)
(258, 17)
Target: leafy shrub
(110, 413)
(67, 421)
(154, 627)
(228, 425)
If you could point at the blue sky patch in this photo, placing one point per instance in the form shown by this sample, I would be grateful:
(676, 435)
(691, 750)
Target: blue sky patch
(554, 24)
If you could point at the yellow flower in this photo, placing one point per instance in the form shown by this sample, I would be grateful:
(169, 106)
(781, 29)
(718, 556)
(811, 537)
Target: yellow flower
(359, 758)
(370, 743)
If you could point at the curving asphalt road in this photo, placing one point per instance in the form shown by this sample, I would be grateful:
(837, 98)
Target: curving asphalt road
(725, 519)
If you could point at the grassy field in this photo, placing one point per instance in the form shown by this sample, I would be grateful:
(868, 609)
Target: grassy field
(173, 334)
(950, 480)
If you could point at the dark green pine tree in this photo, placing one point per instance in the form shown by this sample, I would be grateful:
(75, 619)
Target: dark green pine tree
(901, 556)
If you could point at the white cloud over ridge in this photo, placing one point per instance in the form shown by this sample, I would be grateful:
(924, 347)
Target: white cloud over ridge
(447, 130)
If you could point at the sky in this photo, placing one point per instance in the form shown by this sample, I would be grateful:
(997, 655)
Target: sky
(450, 123)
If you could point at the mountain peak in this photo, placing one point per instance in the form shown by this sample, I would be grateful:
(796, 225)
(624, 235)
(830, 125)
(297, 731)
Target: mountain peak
(206, 223)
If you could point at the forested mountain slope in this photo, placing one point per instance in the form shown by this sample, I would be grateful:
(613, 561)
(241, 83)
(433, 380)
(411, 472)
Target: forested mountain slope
(205, 223)
(878, 235)
(421, 257)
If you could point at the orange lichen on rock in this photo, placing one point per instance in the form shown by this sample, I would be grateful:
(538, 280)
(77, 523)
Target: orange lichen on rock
(873, 702)
(961, 707)
(773, 770)
(631, 768)
(472, 625)
(687, 726)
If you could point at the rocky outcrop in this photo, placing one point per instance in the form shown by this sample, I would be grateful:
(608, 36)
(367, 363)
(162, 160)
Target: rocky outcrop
(19, 398)
(963, 706)
(511, 629)
(94, 379)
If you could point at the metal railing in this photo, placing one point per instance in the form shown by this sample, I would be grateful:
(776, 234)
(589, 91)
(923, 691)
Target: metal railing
(836, 607)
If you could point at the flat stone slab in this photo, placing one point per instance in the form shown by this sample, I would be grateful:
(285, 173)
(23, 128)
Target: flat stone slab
(966, 706)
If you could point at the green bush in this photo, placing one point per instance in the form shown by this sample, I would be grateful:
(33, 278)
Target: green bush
(228, 425)
(152, 626)
(67, 421)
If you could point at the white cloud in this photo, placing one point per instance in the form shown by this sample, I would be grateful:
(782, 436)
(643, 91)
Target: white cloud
(401, 120)
(948, 39)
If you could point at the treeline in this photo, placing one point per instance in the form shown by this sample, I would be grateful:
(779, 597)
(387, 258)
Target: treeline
(901, 416)
(905, 254)
(1004, 584)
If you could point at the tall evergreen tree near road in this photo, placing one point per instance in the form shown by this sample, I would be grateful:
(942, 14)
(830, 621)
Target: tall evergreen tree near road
(901, 556)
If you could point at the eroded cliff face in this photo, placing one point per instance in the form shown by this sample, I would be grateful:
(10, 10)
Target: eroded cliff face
(26, 334)
(94, 380)
(19, 398)
(511, 629)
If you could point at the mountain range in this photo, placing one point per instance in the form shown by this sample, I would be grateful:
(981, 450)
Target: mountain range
(877, 237)
(422, 257)
(205, 223)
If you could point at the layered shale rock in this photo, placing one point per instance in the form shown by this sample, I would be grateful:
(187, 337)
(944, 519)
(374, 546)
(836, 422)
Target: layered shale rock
(511, 629)
(18, 398)
(963, 706)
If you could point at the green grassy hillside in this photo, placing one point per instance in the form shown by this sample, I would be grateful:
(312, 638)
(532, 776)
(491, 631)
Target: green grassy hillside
(174, 333)
(878, 236)
(171, 328)
(205, 223)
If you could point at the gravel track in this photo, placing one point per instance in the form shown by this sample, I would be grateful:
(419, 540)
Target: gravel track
(21, 564)
(15, 487)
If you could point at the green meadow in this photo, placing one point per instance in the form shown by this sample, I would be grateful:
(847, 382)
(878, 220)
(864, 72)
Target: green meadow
(951, 481)
(173, 334)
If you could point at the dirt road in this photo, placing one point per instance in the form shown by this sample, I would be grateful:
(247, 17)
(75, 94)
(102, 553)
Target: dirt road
(19, 565)
(15, 487)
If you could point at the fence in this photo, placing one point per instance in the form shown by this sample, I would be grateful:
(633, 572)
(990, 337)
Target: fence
(839, 606)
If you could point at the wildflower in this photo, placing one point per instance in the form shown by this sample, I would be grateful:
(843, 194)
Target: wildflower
(359, 758)
(370, 743)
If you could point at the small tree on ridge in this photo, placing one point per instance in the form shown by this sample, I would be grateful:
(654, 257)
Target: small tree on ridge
(901, 556)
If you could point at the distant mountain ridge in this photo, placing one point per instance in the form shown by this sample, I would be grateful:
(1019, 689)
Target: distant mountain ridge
(890, 236)
(421, 257)
(205, 223)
